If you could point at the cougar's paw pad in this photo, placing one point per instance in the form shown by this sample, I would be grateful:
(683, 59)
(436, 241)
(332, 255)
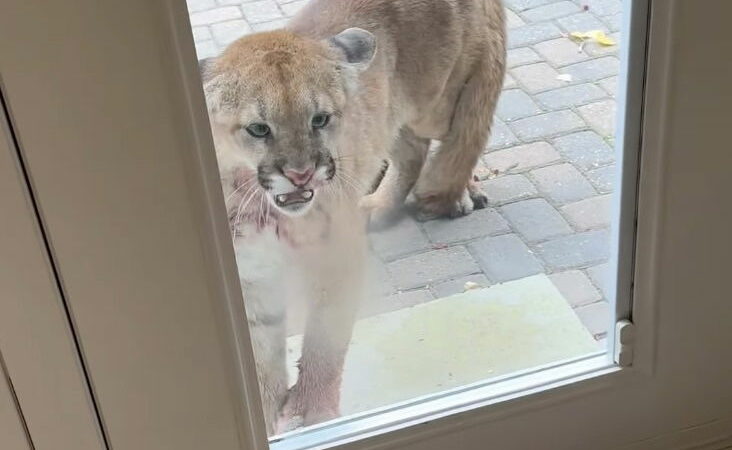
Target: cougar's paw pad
(288, 423)
(319, 415)
(480, 200)
(299, 410)
(429, 208)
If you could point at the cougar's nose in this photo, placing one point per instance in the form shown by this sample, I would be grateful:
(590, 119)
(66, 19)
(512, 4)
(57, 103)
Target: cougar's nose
(299, 177)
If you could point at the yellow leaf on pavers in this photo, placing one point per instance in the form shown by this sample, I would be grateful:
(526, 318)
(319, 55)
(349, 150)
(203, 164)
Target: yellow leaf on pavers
(598, 36)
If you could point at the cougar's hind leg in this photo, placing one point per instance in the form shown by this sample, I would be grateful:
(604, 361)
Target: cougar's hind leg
(446, 187)
(406, 161)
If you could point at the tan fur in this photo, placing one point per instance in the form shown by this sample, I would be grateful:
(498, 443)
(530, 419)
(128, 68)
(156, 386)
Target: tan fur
(436, 74)
(442, 64)
(283, 79)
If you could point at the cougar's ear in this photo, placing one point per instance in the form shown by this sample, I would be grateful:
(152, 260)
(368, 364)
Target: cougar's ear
(357, 45)
(204, 67)
(213, 84)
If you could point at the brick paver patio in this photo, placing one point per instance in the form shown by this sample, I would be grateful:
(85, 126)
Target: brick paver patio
(548, 171)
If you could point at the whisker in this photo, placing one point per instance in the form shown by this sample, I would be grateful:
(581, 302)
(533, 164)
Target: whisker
(241, 202)
(251, 191)
(234, 224)
(261, 209)
(334, 190)
(343, 189)
(246, 199)
(248, 183)
(352, 181)
(347, 186)
(269, 211)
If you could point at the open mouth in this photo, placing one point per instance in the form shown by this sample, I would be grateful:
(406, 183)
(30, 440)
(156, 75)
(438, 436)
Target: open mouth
(298, 197)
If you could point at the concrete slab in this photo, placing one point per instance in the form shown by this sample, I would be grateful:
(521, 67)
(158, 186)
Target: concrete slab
(455, 341)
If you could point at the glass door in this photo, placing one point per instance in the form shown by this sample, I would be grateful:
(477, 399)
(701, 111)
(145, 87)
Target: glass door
(527, 277)
(166, 189)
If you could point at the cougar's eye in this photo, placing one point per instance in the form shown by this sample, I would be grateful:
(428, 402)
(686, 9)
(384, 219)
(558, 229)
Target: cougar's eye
(258, 130)
(320, 120)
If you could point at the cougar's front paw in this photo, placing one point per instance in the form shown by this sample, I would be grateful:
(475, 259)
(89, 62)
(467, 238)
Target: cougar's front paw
(480, 200)
(431, 207)
(298, 411)
(287, 422)
(290, 415)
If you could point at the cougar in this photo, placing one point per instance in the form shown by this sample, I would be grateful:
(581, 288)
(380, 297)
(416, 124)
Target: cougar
(303, 119)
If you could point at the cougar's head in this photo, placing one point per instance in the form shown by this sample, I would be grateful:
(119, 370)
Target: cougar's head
(276, 102)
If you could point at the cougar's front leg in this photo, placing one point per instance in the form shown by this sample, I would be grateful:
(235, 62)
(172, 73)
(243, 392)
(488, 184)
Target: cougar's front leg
(271, 371)
(315, 397)
(267, 329)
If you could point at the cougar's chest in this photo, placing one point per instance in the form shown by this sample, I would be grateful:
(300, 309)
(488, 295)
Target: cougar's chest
(260, 253)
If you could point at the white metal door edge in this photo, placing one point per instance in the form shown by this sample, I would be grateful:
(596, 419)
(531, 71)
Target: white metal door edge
(36, 339)
(13, 432)
(107, 146)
